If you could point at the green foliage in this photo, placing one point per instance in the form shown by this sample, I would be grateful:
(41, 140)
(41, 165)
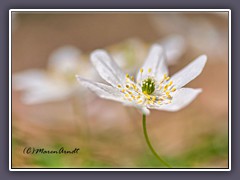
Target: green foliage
(211, 148)
(207, 152)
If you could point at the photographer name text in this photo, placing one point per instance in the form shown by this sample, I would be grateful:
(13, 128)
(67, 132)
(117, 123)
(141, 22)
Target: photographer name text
(62, 150)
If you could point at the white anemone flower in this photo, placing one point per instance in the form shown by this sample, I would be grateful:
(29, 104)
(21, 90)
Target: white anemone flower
(153, 88)
(57, 82)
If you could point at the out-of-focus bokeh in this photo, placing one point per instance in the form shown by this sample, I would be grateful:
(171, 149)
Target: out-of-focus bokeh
(51, 110)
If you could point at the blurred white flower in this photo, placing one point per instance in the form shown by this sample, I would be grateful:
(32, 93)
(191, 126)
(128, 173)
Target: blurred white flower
(174, 47)
(130, 53)
(57, 82)
(153, 88)
(202, 32)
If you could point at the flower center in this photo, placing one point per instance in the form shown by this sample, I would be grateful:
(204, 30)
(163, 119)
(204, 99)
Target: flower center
(148, 92)
(148, 86)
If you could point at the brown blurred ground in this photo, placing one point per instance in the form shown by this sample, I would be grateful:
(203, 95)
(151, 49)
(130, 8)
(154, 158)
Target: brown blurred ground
(46, 32)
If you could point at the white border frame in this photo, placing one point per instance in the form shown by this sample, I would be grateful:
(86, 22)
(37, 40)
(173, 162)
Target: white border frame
(119, 10)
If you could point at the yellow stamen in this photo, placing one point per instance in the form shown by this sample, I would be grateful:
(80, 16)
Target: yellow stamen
(165, 87)
(127, 76)
(141, 70)
(149, 70)
(132, 78)
(162, 99)
(150, 102)
(173, 89)
(154, 98)
(148, 97)
(166, 77)
(127, 86)
(119, 86)
(160, 82)
(168, 94)
(170, 83)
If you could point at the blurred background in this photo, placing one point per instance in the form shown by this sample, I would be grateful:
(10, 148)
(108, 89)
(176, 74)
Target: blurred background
(51, 110)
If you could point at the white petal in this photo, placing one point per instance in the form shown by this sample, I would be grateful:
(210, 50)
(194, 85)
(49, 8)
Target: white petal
(29, 78)
(181, 99)
(102, 90)
(107, 68)
(46, 93)
(190, 72)
(156, 62)
(39, 88)
(174, 47)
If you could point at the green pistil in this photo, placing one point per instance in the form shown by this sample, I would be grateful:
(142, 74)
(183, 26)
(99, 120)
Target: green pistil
(148, 86)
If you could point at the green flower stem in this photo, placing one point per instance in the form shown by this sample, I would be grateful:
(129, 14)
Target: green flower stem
(150, 145)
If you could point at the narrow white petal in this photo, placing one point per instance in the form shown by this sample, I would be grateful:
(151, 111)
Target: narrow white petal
(102, 90)
(190, 72)
(107, 68)
(181, 99)
(156, 62)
